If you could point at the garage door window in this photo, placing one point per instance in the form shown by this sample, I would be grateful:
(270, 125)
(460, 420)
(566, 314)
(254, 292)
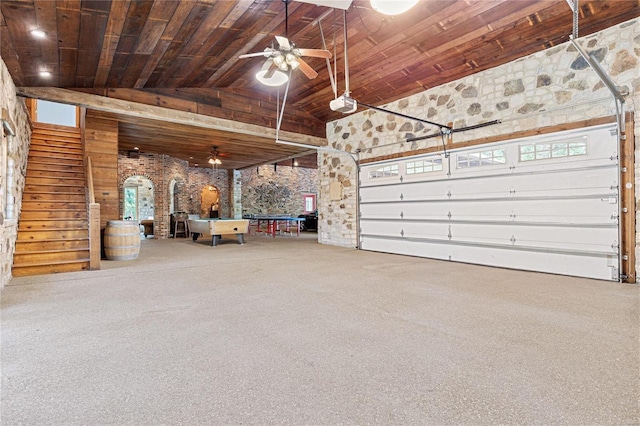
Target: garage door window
(386, 171)
(481, 158)
(545, 151)
(425, 166)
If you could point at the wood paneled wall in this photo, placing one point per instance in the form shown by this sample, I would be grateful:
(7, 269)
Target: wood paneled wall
(101, 144)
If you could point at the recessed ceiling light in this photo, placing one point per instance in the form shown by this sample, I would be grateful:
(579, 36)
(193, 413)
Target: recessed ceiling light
(38, 34)
(45, 74)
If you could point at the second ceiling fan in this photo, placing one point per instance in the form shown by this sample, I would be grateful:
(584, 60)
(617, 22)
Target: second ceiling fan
(287, 56)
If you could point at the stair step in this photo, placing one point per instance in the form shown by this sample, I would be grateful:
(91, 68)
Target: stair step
(40, 151)
(53, 189)
(52, 205)
(47, 180)
(58, 244)
(57, 197)
(54, 174)
(57, 214)
(51, 224)
(49, 268)
(47, 163)
(40, 235)
(50, 256)
(56, 145)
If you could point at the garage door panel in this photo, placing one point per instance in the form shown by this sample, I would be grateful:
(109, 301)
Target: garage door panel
(552, 215)
(583, 182)
(580, 265)
(578, 239)
(572, 211)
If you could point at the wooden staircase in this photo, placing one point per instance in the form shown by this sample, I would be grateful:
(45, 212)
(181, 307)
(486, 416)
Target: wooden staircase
(53, 228)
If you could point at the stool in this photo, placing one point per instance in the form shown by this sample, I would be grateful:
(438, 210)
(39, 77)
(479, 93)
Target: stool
(181, 225)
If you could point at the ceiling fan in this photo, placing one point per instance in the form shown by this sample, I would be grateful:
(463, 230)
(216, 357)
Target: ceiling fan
(214, 157)
(287, 56)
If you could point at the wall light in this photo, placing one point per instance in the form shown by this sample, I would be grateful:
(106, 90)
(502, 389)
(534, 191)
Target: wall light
(277, 79)
(393, 7)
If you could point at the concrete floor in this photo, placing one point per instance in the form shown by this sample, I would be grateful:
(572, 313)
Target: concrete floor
(287, 331)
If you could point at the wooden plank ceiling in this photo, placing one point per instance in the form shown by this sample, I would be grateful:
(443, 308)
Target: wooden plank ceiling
(184, 55)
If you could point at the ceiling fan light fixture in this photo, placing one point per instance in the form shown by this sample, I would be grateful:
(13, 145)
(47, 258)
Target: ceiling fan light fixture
(393, 7)
(278, 78)
(37, 33)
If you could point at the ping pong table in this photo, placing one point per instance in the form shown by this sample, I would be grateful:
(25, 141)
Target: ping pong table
(274, 224)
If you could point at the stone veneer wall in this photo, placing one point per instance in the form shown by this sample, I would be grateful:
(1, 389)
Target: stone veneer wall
(161, 170)
(14, 179)
(552, 87)
(265, 190)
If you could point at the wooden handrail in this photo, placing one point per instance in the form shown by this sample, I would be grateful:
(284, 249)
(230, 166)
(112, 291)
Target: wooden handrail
(93, 214)
(92, 196)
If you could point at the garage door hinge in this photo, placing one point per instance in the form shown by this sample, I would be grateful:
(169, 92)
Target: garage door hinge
(614, 217)
(449, 234)
(449, 215)
(402, 233)
(614, 187)
(614, 158)
(401, 215)
(449, 194)
(401, 179)
(401, 196)
(513, 239)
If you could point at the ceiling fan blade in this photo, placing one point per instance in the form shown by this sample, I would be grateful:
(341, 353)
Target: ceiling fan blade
(251, 55)
(283, 42)
(307, 70)
(268, 51)
(315, 53)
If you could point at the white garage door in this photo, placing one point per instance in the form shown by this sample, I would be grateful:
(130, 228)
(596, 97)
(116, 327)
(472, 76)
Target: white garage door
(547, 203)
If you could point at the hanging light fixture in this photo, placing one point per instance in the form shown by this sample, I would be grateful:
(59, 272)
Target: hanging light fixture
(213, 158)
(393, 7)
(277, 77)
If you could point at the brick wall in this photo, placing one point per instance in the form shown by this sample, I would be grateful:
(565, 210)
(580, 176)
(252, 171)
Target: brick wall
(190, 182)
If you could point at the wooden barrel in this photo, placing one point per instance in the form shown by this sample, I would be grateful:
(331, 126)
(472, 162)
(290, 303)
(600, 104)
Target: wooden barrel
(121, 240)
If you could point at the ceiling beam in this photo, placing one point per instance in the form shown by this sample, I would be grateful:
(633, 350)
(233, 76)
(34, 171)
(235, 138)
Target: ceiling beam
(117, 106)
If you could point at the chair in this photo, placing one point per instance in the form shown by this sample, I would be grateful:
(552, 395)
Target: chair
(148, 227)
(180, 224)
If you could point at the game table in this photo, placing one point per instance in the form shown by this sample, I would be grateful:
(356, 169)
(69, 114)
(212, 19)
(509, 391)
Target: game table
(277, 223)
(217, 228)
